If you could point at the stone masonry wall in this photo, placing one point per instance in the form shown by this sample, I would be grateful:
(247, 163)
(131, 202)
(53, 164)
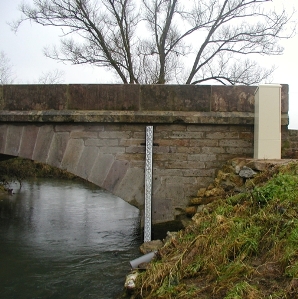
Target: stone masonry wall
(185, 157)
(289, 143)
(98, 132)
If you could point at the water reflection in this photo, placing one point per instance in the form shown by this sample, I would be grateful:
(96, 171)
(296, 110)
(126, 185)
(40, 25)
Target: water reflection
(61, 239)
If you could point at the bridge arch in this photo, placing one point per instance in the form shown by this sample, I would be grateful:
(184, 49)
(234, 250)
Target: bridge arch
(109, 156)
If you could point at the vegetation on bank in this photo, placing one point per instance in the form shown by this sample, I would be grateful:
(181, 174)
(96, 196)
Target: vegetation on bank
(18, 169)
(239, 247)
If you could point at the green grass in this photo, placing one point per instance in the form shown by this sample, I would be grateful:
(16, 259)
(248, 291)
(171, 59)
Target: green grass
(244, 246)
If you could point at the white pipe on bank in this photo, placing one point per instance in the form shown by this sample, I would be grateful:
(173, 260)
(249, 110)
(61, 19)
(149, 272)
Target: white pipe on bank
(143, 259)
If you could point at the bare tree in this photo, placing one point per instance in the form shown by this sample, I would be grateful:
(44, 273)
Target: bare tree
(6, 69)
(51, 77)
(167, 41)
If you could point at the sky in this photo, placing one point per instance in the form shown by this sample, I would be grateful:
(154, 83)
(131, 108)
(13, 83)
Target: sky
(25, 52)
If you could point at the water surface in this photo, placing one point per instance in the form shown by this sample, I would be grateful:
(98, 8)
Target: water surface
(63, 239)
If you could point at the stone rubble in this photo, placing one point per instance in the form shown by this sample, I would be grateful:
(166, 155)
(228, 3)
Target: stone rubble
(233, 177)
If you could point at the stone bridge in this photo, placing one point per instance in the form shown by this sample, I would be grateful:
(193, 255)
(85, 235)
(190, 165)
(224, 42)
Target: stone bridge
(97, 132)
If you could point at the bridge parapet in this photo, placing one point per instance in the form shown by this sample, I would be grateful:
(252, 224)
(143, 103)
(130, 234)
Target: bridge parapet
(202, 104)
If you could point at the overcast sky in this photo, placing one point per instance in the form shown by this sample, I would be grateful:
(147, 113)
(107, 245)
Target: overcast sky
(25, 51)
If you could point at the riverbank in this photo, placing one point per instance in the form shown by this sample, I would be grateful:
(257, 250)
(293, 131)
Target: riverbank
(243, 244)
(18, 170)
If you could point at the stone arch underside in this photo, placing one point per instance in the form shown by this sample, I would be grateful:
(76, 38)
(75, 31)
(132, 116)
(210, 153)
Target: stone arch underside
(106, 155)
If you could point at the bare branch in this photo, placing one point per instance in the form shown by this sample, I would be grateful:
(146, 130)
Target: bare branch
(6, 69)
(51, 77)
(212, 39)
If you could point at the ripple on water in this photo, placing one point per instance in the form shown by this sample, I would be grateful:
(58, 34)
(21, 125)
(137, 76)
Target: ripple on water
(61, 239)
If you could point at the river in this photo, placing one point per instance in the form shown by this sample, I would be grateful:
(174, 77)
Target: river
(64, 239)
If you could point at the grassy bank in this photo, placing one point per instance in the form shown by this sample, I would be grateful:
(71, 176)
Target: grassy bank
(239, 247)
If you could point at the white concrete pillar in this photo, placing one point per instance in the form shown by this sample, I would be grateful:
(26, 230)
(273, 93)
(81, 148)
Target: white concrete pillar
(267, 127)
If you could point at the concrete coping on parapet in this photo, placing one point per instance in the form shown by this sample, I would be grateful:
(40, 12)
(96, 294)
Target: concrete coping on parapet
(271, 85)
(107, 116)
